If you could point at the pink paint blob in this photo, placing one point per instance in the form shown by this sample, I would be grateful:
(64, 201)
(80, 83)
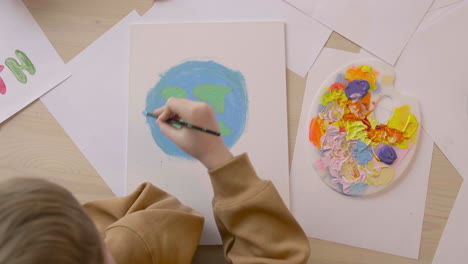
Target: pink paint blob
(2, 83)
(401, 154)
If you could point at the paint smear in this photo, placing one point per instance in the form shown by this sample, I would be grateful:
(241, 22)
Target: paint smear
(222, 88)
(2, 83)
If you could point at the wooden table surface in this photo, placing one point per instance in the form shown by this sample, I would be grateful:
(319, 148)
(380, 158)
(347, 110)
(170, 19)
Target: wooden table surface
(33, 144)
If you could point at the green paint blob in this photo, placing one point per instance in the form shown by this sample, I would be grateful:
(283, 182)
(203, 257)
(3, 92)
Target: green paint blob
(178, 126)
(173, 91)
(213, 94)
(17, 69)
(225, 131)
(175, 124)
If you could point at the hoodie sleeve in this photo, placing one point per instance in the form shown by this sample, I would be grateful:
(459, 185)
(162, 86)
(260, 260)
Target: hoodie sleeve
(254, 223)
(148, 226)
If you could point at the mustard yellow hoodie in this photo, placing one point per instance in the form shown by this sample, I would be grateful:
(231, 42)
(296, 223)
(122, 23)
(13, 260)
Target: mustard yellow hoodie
(151, 226)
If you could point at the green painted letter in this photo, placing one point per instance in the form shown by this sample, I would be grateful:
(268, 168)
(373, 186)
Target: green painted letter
(17, 68)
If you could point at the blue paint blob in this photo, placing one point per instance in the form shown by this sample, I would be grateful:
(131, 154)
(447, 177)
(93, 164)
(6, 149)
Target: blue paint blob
(340, 187)
(362, 153)
(378, 89)
(340, 78)
(320, 108)
(357, 189)
(187, 76)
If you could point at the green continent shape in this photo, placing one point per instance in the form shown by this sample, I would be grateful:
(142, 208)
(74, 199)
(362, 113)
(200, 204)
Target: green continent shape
(173, 91)
(213, 94)
(225, 131)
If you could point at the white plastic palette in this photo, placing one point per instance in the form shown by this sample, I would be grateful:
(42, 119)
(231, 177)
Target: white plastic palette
(352, 152)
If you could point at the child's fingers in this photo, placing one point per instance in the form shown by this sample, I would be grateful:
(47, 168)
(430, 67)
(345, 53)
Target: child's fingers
(173, 107)
(165, 114)
(168, 130)
(180, 107)
(159, 111)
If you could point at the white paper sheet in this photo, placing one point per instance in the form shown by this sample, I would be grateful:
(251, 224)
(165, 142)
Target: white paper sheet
(442, 3)
(305, 37)
(92, 105)
(390, 222)
(454, 241)
(433, 69)
(434, 16)
(381, 27)
(254, 49)
(20, 34)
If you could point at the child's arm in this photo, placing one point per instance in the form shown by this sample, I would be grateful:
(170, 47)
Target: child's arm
(255, 224)
(148, 226)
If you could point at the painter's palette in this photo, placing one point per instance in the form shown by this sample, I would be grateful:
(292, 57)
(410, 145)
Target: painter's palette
(352, 152)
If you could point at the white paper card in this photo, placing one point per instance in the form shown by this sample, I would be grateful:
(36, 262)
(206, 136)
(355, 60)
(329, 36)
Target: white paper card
(29, 64)
(433, 69)
(381, 27)
(454, 241)
(389, 222)
(305, 37)
(442, 3)
(92, 105)
(187, 58)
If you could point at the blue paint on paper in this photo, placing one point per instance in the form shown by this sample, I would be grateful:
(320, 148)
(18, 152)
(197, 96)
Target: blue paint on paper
(190, 74)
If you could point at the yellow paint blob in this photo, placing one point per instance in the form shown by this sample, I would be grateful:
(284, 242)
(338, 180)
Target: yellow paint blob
(385, 176)
(334, 95)
(347, 169)
(357, 130)
(388, 80)
(404, 121)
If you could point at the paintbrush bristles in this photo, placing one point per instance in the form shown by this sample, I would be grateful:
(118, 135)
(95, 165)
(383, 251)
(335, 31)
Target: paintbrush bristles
(151, 115)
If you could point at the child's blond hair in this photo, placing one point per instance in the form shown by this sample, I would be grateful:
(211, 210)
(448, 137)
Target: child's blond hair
(41, 222)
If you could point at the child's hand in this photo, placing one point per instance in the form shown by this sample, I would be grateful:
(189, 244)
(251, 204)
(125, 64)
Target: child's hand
(208, 149)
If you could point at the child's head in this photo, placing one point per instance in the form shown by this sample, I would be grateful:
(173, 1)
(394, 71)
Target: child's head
(41, 222)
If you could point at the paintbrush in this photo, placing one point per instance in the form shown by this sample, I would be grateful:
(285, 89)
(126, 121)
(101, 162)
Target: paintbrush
(185, 124)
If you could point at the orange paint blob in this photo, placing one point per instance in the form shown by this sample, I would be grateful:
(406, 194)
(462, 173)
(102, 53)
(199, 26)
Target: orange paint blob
(350, 117)
(356, 173)
(366, 101)
(385, 134)
(337, 87)
(316, 131)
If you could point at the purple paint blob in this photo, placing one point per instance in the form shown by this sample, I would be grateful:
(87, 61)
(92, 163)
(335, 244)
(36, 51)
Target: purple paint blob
(387, 154)
(357, 89)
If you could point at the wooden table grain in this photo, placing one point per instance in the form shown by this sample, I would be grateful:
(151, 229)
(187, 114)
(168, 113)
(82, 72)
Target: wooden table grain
(33, 144)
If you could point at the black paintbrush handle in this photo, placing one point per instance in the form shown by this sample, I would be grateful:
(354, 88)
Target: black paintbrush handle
(187, 125)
